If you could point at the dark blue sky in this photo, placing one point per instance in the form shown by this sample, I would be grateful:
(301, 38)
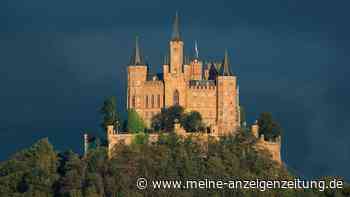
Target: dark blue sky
(60, 59)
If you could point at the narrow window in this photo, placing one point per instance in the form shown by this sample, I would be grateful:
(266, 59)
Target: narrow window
(158, 100)
(133, 101)
(147, 101)
(176, 97)
(152, 101)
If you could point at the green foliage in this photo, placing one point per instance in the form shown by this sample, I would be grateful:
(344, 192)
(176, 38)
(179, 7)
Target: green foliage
(141, 138)
(72, 170)
(192, 121)
(135, 123)
(40, 171)
(109, 112)
(164, 121)
(268, 127)
(31, 172)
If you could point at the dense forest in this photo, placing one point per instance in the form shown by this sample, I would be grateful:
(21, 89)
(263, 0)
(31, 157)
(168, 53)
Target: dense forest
(41, 171)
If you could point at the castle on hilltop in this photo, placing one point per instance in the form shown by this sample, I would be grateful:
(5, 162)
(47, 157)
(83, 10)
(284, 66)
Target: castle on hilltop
(210, 89)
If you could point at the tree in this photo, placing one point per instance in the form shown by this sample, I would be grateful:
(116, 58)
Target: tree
(268, 127)
(192, 122)
(34, 171)
(166, 118)
(109, 112)
(31, 171)
(72, 171)
(135, 123)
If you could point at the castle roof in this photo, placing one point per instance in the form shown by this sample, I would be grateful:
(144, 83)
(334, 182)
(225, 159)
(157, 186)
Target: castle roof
(136, 58)
(176, 30)
(225, 68)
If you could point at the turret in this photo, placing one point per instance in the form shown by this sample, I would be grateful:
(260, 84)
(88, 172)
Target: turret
(255, 129)
(196, 65)
(137, 75)
(227, 117)
(176, 48)
(225, 68)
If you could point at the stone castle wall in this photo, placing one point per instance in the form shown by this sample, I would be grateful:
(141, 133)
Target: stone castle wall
(203, 98)
(228, 116)
(274, 148)
(151, 100)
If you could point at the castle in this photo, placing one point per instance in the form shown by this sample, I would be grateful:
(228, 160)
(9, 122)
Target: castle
(209, 89)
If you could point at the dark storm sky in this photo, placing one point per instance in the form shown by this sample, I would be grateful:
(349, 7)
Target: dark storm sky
(60, 59)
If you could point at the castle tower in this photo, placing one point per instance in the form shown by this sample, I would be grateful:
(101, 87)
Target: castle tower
(174, 75)
(226, 99)
(176, 48)
(137, 75)
(206, 71)
(196, 66)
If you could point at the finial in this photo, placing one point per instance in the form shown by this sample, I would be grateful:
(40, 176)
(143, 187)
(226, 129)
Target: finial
(165, 60)
(136, 58)
(226, 65)
(196, 49)
(226, 60)
(176, 30)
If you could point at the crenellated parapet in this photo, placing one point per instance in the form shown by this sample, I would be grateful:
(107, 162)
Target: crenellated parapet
(202, 84)
(272, 146)
(114, 138)
(154, 83)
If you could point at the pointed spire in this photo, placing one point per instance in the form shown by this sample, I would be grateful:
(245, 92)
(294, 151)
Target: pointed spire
(225, 69)
(213, 73)
(165, 61)
(136, 57)
(196, 50)
(176, 30)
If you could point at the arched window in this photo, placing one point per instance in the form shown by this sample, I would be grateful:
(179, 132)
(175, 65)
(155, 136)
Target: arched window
(176, 98)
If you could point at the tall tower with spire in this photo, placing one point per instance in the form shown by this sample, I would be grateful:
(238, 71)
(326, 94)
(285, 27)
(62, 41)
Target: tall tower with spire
(136, 58)
(137, 75)
(227, 117)
(176, 48)
(175, 77)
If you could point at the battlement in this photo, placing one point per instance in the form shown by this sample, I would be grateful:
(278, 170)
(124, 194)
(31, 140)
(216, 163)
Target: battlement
(274, 147)
(202, 84)
(154, 83)
(114, 138)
